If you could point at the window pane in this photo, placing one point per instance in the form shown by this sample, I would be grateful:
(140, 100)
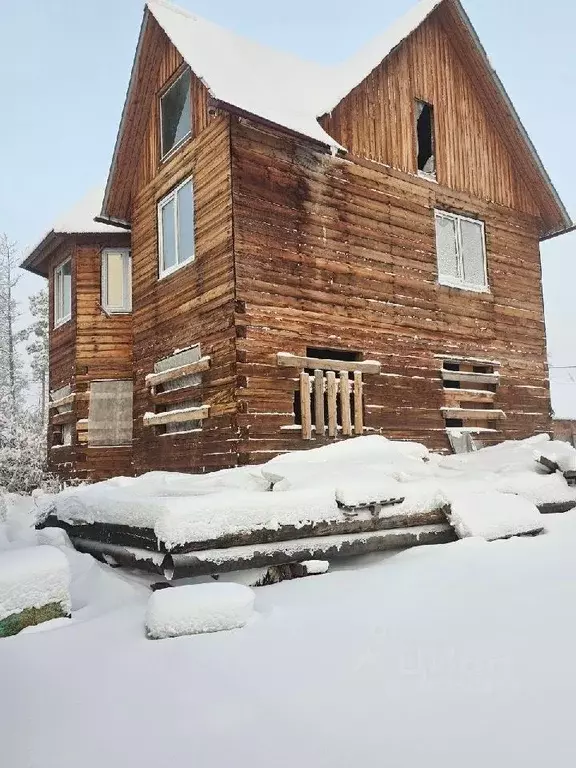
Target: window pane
(115, 280)
(176, 114)
(168, 236)
(185, 223)
(110, 413)
(66, 289)
(473, 252)
(446, 247)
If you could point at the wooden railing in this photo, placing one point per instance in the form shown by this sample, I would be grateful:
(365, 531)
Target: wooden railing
(332, 397)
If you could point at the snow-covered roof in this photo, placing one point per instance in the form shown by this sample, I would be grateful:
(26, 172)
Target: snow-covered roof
(78, 220)
(270, 84)
(273, 85)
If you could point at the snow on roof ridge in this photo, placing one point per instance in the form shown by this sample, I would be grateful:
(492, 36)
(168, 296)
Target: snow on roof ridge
(354, 70)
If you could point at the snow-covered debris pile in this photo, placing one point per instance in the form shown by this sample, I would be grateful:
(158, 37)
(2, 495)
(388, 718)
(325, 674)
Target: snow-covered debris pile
(558, 453)
(494, 515)
(34, 587)
(306, 488)
(198, 608)
(315, 567)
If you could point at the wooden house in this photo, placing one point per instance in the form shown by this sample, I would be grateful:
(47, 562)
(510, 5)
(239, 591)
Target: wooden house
(316, 252)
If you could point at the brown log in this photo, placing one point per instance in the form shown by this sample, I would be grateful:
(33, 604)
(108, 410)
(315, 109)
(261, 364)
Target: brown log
(305, 407)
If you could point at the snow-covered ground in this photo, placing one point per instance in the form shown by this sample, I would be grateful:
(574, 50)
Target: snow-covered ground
(453, 655)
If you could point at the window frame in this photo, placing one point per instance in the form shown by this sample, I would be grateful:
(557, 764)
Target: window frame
(126, 281)
(162, 203)
(165, 91)
(460, 282)
(425, 174)
(59, 320)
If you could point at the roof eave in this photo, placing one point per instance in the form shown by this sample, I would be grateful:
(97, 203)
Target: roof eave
(567, 221)
(39, 254)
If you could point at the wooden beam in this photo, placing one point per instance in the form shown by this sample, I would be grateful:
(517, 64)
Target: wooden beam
(345, 403)
(331, 390)
(358, 404)
(286, 360)
(155, 379)
(173, 417)
(63, 418)
(305, 407)
(319, 403)
(483, 414)
(62, 401)
(472, 378)
(453, 397)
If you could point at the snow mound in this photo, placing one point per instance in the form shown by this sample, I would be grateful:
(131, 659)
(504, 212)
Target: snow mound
(198, 608)
(357, 493)
(33, 577)
(315, 567)
(236, 512)
(493, 515)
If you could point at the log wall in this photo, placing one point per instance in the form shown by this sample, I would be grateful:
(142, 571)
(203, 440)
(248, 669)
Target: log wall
(194, 305)
(340, 253)
(91, 345)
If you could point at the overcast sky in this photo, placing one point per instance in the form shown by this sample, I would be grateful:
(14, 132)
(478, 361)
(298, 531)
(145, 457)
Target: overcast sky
(65, 65)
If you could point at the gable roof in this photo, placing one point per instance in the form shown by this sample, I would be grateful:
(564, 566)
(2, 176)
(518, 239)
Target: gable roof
(78, 220)
(241, 75)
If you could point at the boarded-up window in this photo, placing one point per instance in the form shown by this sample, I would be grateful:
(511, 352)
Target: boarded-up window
(461, 251)
(110, 413)
(185, 357)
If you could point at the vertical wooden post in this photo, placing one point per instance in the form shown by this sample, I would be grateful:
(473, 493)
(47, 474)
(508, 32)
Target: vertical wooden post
(332, 396)
(319, 403)
(305, 407)
(358, 404)
(345, 403)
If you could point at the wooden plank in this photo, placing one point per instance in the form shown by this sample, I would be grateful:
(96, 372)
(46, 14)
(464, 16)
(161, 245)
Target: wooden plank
(332, 392)
(344, 386)
(66, 400)
(175, 417)
(63, 418)
(155, 379)
(471, 378)
(319, 403)
(483, 414)
(287, 360)
(305, 406)
(358, 404)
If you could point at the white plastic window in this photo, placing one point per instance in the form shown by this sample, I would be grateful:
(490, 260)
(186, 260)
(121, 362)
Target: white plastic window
(461, 252)
(116, 280)
(63, 293)
(176, 228)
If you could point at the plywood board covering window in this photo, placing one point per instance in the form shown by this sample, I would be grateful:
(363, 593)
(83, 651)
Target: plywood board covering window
(116, 280)
(63, 293)
(176, 228)
(461, 251)
(110, 413)
(175, 113)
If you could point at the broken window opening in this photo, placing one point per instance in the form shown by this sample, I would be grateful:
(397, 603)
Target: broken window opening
(425, 136)
(454, 423)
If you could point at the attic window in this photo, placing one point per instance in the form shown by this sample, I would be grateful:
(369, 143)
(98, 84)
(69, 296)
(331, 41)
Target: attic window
(176, 113)
(425, 136)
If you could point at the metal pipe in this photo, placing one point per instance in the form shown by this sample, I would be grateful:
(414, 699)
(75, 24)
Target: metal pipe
(143, 559)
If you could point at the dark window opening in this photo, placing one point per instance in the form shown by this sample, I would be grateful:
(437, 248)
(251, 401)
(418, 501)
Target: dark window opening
(452, 385)
(425, 134)
(451, 366)
(333, 354)
(482, 369)
(176, 113)
(454, 423)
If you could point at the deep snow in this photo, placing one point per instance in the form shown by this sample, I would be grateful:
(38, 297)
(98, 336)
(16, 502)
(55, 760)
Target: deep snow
(452, 655)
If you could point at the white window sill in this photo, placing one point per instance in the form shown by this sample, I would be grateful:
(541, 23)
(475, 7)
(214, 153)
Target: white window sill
(427, 176)
(110, 311)
(175, 148)
(63, 321)
(176, 267)
(463, 286)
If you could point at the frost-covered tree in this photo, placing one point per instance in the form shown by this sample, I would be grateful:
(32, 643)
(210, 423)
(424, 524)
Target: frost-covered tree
(22, 432)
(37, 346)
